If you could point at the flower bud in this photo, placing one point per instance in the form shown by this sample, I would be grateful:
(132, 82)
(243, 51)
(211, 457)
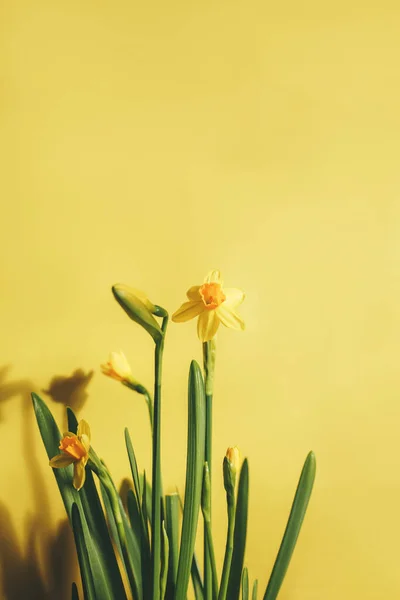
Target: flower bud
(139, 308)
(230, 468)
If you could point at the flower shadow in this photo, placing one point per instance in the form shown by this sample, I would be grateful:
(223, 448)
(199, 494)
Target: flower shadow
(70, 390)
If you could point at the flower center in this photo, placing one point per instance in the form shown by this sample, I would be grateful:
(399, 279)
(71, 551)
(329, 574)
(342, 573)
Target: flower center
(73, 446)
(212, 295)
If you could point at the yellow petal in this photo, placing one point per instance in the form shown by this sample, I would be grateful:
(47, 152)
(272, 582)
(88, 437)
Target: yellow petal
(193, 293)
(61, 460)
(85, 441)
(207, 325)
(79, 474)
(187, 311)
(234, 296)
(120, 364)
(229, 317)
(213, 277)
(84, 429)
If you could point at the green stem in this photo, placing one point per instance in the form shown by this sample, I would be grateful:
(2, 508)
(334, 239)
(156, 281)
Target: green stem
(210, 546)
(209, 365)
(228, 551)
(140, 389)
(156, 474)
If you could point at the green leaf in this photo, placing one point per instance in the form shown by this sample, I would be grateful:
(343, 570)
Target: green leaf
(196, 579)
(74, 592)
(194, 477)
(51, 438)
(194, 569)
(255, 590)
(239, 537)
(145, 540)
(83, 556)
(133, 464)
(106, 573)
(164, 562)
(137, 310)
(172, 527)
(245, 584)
(293, 527)
(133, 569)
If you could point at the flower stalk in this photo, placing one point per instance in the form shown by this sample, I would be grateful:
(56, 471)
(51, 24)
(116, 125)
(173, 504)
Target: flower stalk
(206, 510)
(209, 351)
(156, 467)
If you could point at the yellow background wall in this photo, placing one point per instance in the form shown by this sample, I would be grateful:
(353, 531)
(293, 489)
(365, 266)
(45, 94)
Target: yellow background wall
(148, 143)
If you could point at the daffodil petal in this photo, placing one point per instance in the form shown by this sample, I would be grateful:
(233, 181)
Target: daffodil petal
(188, 310)
(61, 460)
(234, 296)
(120, 363)
(193, 293)
(229, 317)
(84, 429)
(213, 277)
(85, 441)
(79, 474)
(69, 434)
(207, 325)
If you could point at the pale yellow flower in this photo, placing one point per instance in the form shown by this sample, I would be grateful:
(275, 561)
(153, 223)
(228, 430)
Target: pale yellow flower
(117, 367)
(74, 450)
(213, 304)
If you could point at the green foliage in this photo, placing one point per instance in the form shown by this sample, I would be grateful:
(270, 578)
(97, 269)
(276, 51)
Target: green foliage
(194, 477)
(293, 527)
(145, 537)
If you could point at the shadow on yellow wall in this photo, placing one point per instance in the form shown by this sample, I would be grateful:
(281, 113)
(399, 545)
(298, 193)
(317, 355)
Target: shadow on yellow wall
(45, 552)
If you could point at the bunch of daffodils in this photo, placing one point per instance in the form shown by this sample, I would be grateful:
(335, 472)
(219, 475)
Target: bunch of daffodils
(144, 548)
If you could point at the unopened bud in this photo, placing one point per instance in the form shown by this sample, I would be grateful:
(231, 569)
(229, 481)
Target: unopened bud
(230, 468)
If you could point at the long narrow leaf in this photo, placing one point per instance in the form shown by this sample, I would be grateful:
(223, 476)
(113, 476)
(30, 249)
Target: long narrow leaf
(133, 464)
(133, 568)
(293, 527)
(144, 533)
(83, 557)
(106, 573)
(255, 590)
(245, 584)
(51, 438)
(239, 537)
(172, 528)
(194, 569)
(164, 562)
(194, 477)
(196, 579)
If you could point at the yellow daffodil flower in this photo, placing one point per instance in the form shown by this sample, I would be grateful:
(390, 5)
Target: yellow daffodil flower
(213, 304)
(74, 450)
(118, 368)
